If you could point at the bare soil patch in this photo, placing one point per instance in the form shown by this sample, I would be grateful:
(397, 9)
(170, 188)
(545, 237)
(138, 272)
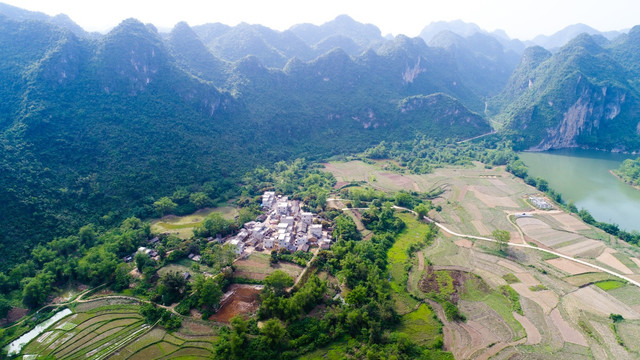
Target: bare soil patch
(240, 299)
(429, 283)
(398, 180)
(493, 200)
(533, 335)
(527, 279)
(480, 227)
(569, 334)
(610, 260)
(547, 299)
(463, 193)
(496, 182)
(466, 243)
(570, 267)
(569, 222)
(509, 265)
(420, 256)
(587, 247)
(596, 301)
(340, 184)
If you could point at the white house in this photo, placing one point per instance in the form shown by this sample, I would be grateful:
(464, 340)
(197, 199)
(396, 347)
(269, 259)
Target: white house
(301, 240)
(289, 220)
(268, 199)
(268, 242)
(316, 230)
(283, 239)
(242, 235)
(238, 245)
(283, 207)
(324, 244)
(306, 217)
(291, 245)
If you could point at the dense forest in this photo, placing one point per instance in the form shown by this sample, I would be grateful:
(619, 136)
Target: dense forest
(100, 133)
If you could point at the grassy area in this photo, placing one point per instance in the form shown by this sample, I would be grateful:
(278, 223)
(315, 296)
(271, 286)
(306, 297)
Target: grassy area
(607, 285)
(399, 260)
(414, 233)
(510, 278)
(183, 226)
(475, 289)
(422, 326)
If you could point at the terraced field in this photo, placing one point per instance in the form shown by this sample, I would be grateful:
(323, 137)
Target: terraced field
(113, 329)
(564, 306)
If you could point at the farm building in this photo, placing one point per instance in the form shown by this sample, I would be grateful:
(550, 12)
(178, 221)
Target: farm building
(306, 218)
(268, 199)
(316, 230)
(238, 245)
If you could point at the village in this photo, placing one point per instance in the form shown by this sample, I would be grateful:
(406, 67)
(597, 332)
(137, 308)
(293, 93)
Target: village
(282, 226)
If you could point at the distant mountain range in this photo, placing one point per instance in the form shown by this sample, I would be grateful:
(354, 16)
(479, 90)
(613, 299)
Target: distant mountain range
(95, 127)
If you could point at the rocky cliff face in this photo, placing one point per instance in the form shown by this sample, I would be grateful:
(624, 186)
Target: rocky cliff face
(581, 96)
(594, 108)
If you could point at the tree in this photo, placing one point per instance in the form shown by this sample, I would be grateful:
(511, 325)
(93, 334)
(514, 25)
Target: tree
(273, 332)
(503, 237)
(209, 294)
(403, 198)
(87, 234)
(35, 291)
(422, 210)
(121, 278)
(238, 336)
(200, 200)
(616, 317)
(5, 307)
(542, 184)
(164, 206)
(277, 282)
(142, 260)
(212, 225)
(171, 287)
(345, 229)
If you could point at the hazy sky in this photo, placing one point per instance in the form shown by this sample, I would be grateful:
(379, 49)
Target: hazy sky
(522, 19)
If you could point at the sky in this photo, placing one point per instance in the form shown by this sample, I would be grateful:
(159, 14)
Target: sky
(522, 19)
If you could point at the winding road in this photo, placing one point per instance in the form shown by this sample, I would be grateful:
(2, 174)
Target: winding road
(526, 246)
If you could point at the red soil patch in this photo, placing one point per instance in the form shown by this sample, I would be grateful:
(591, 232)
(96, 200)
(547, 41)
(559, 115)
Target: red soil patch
(429, 282)
(14, 315)
(340, 184)
(399, 180)
(240, 299)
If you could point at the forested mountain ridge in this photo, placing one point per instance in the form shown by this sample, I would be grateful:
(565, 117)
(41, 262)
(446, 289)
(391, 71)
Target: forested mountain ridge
(93, 130)
(584, 95)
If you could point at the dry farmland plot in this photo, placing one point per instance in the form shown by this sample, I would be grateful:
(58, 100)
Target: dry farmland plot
(258, 266)
(611, 261)
(570, 267)
(568, 333)
(598, 302)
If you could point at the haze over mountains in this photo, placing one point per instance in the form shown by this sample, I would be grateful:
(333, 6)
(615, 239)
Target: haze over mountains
(91, 124)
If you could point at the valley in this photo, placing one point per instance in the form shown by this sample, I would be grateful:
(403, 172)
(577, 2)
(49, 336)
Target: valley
(323, 191)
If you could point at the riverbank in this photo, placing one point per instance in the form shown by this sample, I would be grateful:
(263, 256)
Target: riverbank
(623, 180)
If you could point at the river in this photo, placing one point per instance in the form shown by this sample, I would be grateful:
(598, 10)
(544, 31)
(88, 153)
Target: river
(582, 176)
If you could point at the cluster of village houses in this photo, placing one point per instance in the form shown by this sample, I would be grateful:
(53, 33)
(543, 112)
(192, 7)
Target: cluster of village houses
(283, 226)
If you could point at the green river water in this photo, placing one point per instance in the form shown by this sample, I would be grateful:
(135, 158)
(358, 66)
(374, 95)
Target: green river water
(582, 176)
